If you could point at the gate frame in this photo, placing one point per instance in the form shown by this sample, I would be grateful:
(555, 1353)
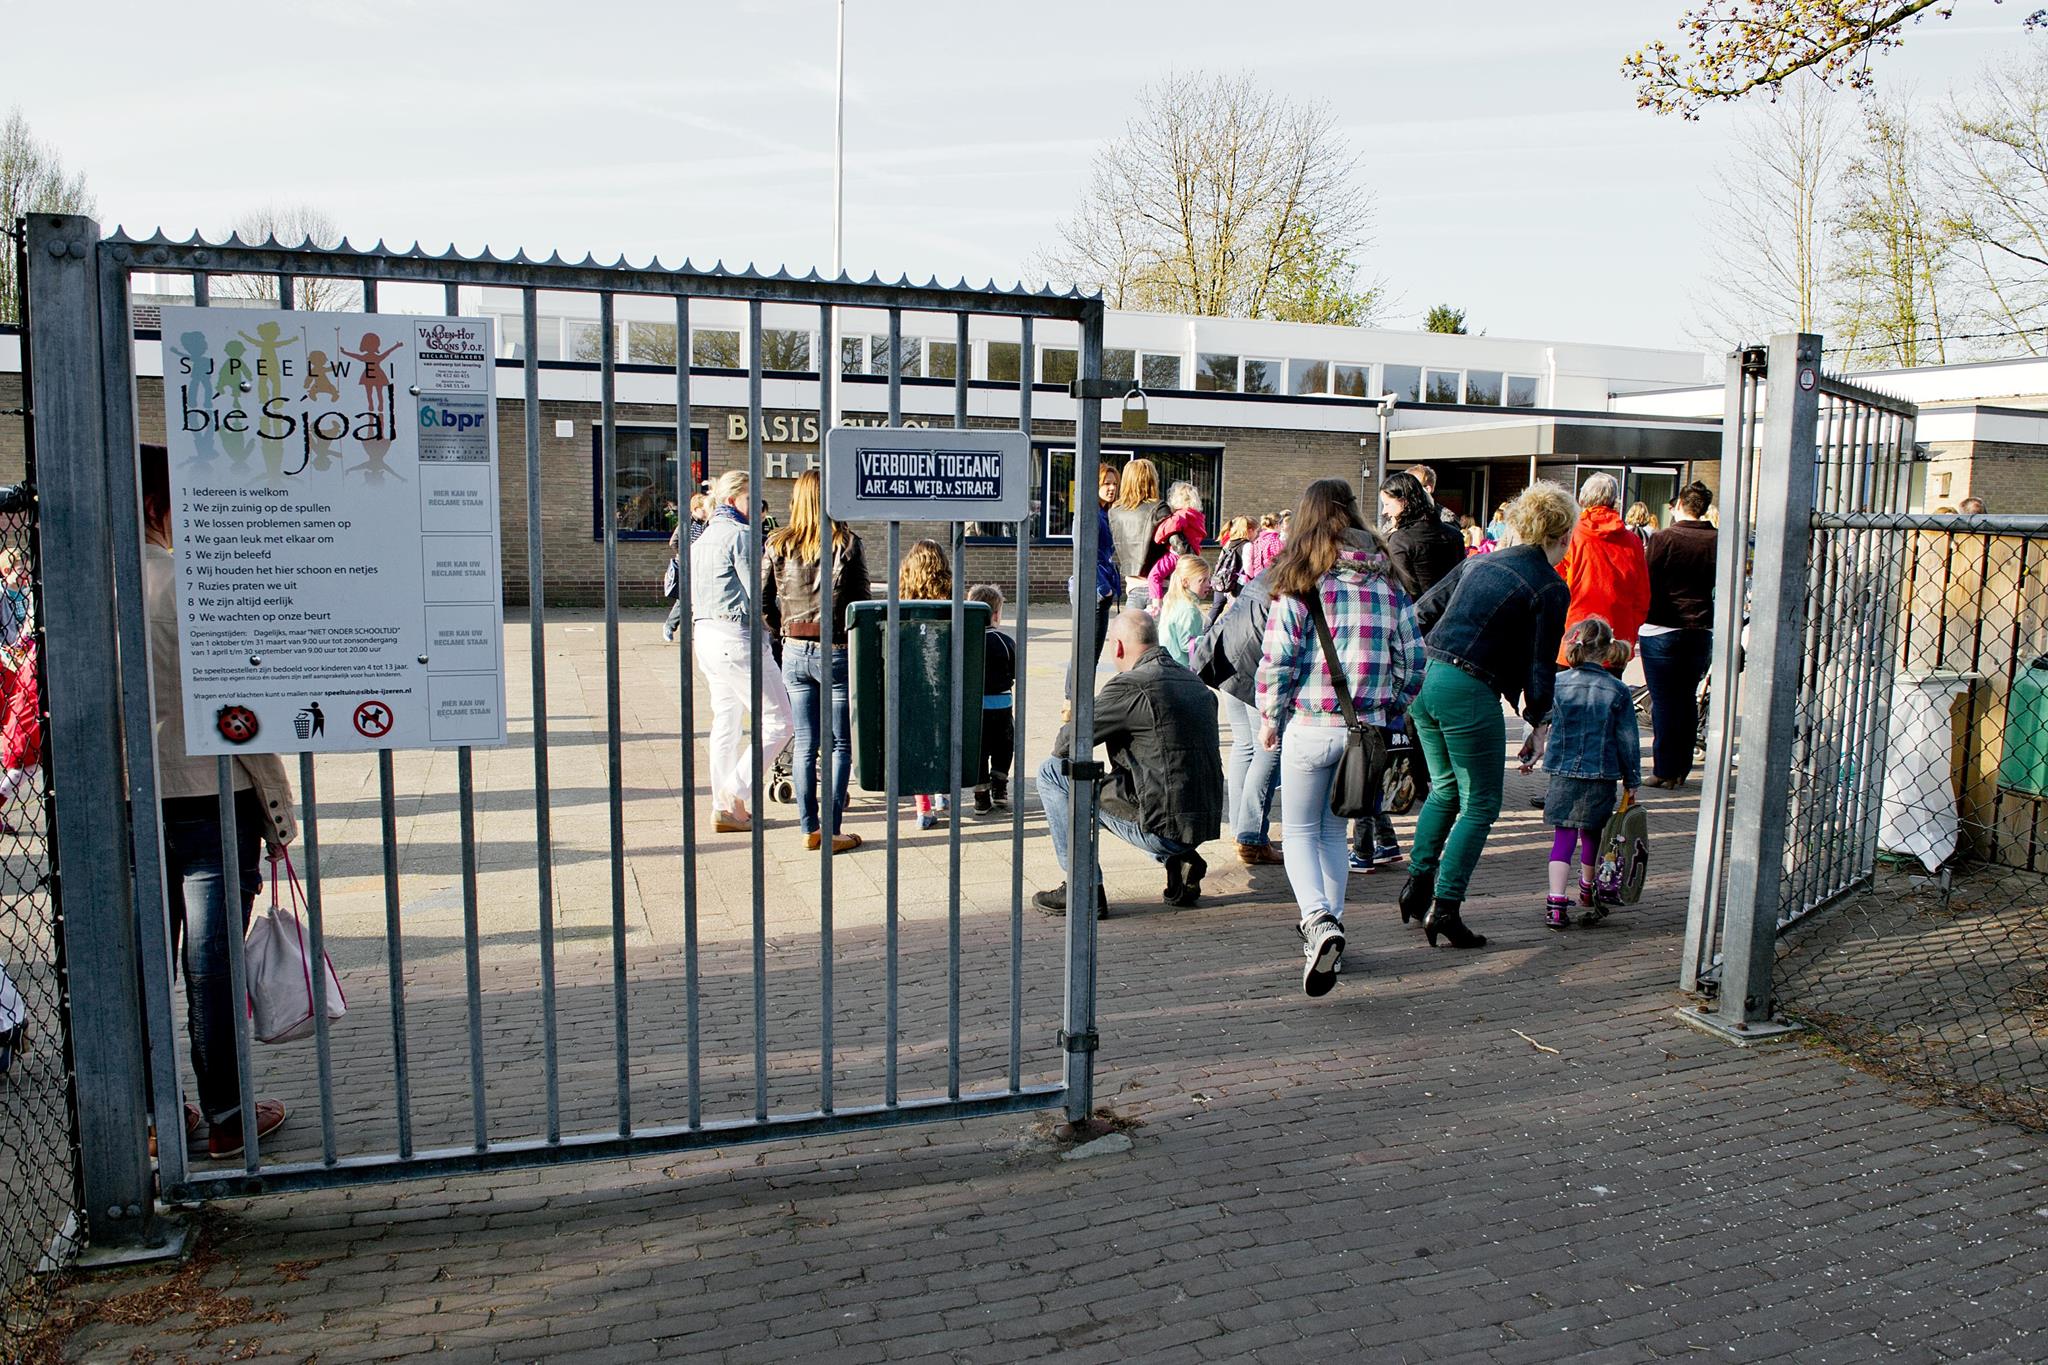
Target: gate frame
(82, 335)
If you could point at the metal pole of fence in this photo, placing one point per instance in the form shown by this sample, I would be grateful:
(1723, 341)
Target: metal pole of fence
(686, 689)
(1731, 547)
(828, 767)
(80, 664)
(1019, 774)
(757, 507)
(139, 713)
(615, 796)
(1078, 1037)
(316, 937)
(536, 648)
(232, 894)
(1784, 497)
(956, 737)
(892, 731)
(394, 948)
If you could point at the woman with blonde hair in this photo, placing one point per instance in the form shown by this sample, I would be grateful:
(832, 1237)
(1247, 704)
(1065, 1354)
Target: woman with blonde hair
(1493, 625)
(1641, 521)
(1133, 518)
(1334, 594)
(814, 651)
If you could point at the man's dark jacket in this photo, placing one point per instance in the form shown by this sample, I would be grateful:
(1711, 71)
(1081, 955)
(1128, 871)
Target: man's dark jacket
(1159, 723)
(1226, 655)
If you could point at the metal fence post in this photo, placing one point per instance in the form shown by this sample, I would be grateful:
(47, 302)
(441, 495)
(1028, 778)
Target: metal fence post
(1783, 493)
(1078, 1037)
(82, 644)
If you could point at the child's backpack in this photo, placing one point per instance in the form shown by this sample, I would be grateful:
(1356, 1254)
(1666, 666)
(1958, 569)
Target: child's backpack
(1624, 855)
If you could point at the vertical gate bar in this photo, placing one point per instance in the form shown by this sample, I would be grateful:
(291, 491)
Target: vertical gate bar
(369, 295)
(1818, 698)
(536, 648)
(1019, 775)
(956, 737)
(1080, 1040)
(828, 657)
(2012, 670)
(238, 968)
(1784, 498)
(1704, 904)
(202, 289)
(125, 527)
(1866, 630)
(608, 447)
(1888, 661)
(892, 731)
(472, 963)
(686, 684)
(316, 938)
(757, 507)
(394, 936)
(69, 342)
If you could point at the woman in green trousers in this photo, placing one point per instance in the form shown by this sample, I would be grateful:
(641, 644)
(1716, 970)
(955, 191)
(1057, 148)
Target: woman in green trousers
(1491, 630)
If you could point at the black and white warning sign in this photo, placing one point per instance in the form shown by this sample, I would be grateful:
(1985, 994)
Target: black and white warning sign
(926, 474)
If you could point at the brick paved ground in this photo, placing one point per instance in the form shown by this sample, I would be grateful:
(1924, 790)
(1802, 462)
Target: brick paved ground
(1391, 1173)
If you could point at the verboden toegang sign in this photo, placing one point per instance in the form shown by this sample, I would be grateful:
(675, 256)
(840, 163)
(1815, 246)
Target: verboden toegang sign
(927, 474)
(334, 518)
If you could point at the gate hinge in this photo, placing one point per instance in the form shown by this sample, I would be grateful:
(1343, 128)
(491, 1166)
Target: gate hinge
(1755, 361)
(1091, 1041)
(1085, 770)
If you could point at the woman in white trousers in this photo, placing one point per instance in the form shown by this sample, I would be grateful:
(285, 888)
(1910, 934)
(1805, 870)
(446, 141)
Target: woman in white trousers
(724, 569)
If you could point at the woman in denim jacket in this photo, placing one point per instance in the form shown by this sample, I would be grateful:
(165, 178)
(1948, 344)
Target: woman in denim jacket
(1593, 744)
(1491, 629)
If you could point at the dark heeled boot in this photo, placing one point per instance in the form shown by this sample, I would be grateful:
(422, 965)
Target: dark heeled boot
(1443, 919)
(1416, 894)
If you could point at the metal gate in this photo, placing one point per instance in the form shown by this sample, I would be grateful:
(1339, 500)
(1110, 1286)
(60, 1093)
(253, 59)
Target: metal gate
(552, 1073)
(1805, 650)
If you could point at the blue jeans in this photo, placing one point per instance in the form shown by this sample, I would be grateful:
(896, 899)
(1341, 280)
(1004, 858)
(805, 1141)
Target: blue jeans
(1056, 793)
(1253, 775)
(1318, 850)
(803, 672)
(1673, 665)
(197, 889)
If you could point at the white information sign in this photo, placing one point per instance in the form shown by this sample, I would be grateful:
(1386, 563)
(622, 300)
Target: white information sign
(334, 511)
(927, 474)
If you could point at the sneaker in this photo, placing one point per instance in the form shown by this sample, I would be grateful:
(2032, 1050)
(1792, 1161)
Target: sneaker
(927, 819)
(1383, 854)
(1557, 914)
(1054, 902)
(668, 635)
(999, 791)
(984, 801)
(1322, 948)
(226, 1138)
(1359, 865)
(1260, 855)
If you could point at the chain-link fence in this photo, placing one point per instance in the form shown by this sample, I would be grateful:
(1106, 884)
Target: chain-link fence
(1914, 903)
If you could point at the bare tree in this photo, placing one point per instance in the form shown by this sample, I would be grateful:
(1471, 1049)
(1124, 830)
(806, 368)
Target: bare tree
(1996, 183)
(1895, 264)
(291, 225)
(1223, 200)
(32, 180)
(1771, 219)
(1731, 48)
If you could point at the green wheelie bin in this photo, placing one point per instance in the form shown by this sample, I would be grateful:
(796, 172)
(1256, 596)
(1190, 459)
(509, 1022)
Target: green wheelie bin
(924, 651)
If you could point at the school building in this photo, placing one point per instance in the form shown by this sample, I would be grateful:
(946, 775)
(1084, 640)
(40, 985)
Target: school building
(1248, 411)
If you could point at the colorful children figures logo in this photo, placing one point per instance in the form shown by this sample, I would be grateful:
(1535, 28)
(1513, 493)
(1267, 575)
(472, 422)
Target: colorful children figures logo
(238, 404)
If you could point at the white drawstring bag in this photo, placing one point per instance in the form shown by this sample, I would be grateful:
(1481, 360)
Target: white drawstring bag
(277, 955)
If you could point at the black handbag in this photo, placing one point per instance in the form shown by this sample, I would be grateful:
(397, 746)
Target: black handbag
(1364, 763)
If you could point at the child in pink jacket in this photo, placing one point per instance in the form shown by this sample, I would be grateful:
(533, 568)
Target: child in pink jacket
(1183, 529)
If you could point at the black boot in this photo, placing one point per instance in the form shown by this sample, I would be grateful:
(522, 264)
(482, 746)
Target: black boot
(1443, 919)
(1416, 894)
(1054, 902)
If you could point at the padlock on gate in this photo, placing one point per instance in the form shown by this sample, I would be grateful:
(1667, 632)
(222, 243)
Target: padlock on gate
(1138, 418)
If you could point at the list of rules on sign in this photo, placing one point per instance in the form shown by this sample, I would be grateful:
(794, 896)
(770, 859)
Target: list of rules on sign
(334, 515)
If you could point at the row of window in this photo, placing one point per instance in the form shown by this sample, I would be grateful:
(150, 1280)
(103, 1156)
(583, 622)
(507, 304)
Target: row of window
(791, 351)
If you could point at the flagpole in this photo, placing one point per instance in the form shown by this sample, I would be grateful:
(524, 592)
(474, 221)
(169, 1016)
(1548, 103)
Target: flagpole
(831, 356)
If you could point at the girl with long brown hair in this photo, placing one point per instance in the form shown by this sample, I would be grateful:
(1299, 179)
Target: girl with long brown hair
(1333, 570)
(814, 657)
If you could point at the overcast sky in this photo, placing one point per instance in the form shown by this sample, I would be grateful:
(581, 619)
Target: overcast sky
(1512, 174)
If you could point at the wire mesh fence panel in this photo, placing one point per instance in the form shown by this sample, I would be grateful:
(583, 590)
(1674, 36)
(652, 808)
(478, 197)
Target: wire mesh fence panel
(1919, 824)
(38, 1181)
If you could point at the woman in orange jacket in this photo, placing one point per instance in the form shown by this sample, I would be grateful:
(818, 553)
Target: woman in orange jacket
(1605, 567)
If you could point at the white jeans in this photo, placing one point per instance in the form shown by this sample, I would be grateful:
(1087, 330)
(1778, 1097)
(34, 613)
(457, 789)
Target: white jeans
(721, 650)
(1316, 843)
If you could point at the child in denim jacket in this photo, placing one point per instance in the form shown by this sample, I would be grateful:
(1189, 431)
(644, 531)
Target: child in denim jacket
(1592, 744)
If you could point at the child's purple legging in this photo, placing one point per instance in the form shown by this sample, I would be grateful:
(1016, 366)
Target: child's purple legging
(1588, 841)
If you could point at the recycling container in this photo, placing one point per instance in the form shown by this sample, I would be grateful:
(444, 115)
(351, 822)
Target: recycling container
(924, 651)
(2023, 764)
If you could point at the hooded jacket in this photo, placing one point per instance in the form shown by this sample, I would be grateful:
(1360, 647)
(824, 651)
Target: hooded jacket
(1372, 626)
(1607, 574)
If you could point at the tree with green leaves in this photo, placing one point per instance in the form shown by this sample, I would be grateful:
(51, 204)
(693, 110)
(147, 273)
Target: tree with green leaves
(1223, 199)
(1444, 318)
(1731, 48)
(32, 180)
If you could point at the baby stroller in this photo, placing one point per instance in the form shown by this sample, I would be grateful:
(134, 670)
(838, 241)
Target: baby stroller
(781, 777)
